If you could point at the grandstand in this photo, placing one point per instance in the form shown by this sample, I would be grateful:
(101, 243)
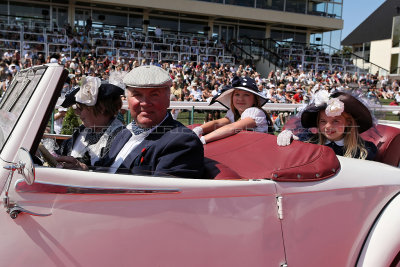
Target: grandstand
(205, 31)
(268, 34)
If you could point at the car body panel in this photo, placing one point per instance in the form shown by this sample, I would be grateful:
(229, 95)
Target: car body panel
(207, 223)
(382, 248)
(341, 209)
(159, 221)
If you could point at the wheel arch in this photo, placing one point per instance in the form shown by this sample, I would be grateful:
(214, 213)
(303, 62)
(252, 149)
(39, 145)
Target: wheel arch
(382, 246)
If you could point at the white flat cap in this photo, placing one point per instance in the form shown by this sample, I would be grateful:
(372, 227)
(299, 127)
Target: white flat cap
(148, 77)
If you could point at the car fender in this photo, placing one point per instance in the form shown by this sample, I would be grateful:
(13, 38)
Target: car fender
(382, 247)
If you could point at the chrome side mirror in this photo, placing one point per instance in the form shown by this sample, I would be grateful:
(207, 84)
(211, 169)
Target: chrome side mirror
(26, 167)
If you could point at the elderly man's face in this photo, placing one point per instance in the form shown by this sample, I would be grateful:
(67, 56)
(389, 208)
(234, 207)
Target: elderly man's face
(148, 106)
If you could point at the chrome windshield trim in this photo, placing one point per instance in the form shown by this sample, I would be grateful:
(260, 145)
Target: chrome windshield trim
(49, 188)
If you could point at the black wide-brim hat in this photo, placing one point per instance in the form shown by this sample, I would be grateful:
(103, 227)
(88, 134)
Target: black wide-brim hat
(246, 84)
(106, 90)
(352, 106)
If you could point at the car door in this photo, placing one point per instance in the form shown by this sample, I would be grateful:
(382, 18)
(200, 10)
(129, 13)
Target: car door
(103, 219)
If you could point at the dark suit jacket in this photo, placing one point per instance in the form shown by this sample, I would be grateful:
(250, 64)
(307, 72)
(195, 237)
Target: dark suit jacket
(171, 150)
(369, 146)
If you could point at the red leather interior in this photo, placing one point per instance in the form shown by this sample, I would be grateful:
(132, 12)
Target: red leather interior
(252, 155)
(219, 171)
(387, 139)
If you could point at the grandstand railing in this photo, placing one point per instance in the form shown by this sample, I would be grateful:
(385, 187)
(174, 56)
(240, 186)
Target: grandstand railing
(38, 47)
(367, 65)
(59, 48)
(11, 35)
(278, 107)
(326, 57)
(307, 56)
(111, 42)
(9, 45)
(126, 53)
(122, 43)
(240, 53)
(106, 51)
(264, 49)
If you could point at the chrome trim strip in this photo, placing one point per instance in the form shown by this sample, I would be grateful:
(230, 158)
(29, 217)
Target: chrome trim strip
(48, 188)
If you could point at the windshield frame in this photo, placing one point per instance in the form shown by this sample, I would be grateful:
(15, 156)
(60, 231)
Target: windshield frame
(16, 98)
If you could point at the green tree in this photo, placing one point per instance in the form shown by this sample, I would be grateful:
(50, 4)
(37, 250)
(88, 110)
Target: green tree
(347, 50)
(70, 122)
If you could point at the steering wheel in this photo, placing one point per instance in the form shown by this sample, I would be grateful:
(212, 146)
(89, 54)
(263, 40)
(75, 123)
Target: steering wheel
(48, 158)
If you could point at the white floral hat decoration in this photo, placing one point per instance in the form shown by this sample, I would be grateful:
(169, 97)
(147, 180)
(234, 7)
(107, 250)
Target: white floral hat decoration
(89, 91)
(334, 105)
(116, 78)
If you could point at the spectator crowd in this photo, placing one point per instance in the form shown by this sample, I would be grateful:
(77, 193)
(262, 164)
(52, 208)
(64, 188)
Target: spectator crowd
(200, 82)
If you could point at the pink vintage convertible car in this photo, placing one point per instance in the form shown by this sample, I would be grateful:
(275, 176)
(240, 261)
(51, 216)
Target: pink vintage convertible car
(263, 205)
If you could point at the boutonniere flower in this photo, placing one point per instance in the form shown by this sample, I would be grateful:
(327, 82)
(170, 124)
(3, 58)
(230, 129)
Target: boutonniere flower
(89, 90)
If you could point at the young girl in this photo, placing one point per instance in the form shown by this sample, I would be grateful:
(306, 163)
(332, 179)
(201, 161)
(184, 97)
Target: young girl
(339, 119)
(244, 103)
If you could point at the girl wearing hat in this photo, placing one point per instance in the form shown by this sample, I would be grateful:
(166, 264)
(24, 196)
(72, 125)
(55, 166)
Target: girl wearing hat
(244, 103)
(340, 118)
(97, 105)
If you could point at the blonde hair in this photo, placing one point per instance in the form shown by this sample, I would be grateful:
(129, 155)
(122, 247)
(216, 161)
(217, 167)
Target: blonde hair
(353, 143)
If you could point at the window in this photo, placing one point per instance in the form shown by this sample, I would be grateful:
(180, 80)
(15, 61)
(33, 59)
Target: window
(109, 18)
(170, 24)
(270, 4)
(334, 10)
(192, 26)
(257, 33)
(248, 3)
(298, 6)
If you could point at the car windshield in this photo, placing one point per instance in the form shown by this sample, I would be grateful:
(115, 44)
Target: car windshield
(15, 100)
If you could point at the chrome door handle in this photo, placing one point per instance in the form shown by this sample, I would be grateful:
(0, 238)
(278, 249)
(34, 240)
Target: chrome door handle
(16, 210)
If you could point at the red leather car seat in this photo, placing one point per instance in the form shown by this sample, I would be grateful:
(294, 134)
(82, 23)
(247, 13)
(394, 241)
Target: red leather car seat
(253, 155)
(387, 139)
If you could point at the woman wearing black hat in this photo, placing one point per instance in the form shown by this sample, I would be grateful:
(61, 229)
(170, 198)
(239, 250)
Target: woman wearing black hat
(339, 119)
(244, 103)
(97, 105)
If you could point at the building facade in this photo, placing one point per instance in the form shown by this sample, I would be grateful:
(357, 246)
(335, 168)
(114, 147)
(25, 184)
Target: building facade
(376, 39)
(304, 21)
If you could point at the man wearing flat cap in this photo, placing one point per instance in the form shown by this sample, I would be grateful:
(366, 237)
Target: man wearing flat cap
(154, 143)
